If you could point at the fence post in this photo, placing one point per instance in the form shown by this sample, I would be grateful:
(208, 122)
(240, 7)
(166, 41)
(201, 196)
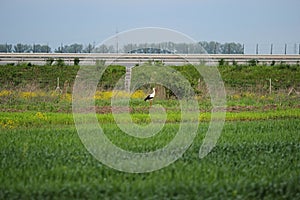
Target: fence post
(57, 86)
(215, 49)
(285, 47)
(256, 48)
(271, 49)
(243, 48)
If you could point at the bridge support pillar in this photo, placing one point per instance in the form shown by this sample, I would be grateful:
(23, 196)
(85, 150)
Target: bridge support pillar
(128, 78)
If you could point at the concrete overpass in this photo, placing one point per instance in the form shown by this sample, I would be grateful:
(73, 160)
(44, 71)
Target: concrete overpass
(133, 59)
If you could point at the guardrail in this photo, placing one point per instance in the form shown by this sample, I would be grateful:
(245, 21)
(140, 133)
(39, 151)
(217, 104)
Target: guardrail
(133, 59)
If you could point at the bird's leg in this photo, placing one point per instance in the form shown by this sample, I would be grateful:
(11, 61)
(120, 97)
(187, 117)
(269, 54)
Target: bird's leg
(150, 103)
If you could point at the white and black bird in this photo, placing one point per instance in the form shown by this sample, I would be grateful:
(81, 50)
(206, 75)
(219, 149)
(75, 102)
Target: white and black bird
(150, 97)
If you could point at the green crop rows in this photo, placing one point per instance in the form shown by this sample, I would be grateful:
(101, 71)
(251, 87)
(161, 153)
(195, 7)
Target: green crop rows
(252, 160)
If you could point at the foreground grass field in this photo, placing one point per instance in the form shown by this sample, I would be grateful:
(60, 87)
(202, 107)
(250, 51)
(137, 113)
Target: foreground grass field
(253, 159)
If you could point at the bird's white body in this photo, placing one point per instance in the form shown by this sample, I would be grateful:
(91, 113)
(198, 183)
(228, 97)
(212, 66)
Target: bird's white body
(150, 96)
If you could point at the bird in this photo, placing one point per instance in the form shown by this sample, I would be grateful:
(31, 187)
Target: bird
(150, 97)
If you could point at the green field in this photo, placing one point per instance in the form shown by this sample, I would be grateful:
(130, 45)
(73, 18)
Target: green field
(256, 157)
(252, 160)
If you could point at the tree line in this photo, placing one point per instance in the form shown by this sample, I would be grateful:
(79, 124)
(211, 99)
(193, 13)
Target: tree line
(180, 48)
(42, 48)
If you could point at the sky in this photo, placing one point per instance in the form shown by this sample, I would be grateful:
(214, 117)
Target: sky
(91, 21)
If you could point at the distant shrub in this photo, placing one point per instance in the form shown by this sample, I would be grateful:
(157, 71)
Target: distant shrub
(221, 62)
(76, 61)
(273, 63)
(49, 61)
(234, 63)
(253, 62)
(283, 65)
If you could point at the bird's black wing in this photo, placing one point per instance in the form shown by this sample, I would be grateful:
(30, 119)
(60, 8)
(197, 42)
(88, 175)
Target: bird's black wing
(147, 98)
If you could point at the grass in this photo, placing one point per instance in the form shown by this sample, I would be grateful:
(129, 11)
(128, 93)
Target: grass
(45, 77)
(54, 102)
(238, 78)
(256, 157)
(14, 120)
(252, 160)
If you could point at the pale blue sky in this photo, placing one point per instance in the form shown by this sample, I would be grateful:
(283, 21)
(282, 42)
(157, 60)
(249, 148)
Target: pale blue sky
(88, 21)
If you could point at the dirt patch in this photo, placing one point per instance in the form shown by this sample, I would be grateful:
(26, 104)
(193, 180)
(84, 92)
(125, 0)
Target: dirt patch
(122, 109)
(250, 108)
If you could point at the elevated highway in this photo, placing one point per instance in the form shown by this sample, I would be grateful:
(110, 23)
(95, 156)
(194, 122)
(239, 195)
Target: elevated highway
(133, 59)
